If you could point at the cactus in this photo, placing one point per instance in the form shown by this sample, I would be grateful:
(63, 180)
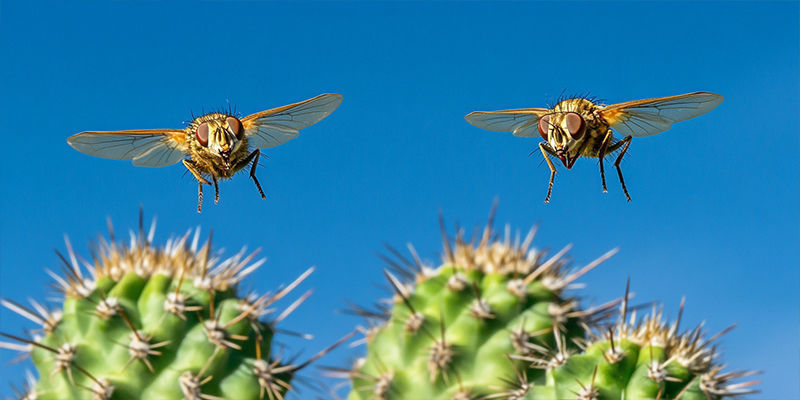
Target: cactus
(495, 321)
(156, 323)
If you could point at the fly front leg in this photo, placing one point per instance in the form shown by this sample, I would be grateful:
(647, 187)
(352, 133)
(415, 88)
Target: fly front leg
(199, 197)
(254, 157)
(552, 171)
(216, 190)
(601, 155)
(627, 142)
(199, 176)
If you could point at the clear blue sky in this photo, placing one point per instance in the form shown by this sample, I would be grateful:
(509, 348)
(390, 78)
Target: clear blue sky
(715, 208)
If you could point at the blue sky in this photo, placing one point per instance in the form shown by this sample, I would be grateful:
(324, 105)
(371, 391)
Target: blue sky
(715, 207)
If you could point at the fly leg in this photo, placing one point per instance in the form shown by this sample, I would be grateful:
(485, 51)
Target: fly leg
(601, 155)
(552, 171)
(197, 175)
(627, 142)
(216, 190)
(254, 156)
(199, 197)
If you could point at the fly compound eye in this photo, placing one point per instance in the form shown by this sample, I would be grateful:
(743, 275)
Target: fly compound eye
(544, 126)
(236, 127)
(575, 125)
(202, 133)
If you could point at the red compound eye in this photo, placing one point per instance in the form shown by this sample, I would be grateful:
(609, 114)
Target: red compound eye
(575, 125)
(236, 127)
(202, 133)
(544, 126)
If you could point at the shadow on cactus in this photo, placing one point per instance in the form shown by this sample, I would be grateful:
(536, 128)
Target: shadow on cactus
(145, 322)
(496, 321)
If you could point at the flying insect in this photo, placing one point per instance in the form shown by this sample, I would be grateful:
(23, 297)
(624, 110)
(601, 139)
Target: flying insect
(215, 146)
(579, 127)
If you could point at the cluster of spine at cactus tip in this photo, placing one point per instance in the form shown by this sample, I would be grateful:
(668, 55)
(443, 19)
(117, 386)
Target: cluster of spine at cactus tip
(496, 321)
(145, 322)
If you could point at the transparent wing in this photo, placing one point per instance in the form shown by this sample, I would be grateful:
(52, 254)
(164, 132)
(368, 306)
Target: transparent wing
(650, 116)
(279, 125)
(146, 148)
(522, 122)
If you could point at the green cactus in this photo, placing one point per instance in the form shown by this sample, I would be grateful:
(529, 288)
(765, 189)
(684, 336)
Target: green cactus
(141, 322)
(495, 321)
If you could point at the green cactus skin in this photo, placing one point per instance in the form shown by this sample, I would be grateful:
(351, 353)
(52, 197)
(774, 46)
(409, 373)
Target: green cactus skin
(495, 322)
(156, 323)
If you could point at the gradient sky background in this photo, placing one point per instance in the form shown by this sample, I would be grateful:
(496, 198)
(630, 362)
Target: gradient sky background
(715, 206)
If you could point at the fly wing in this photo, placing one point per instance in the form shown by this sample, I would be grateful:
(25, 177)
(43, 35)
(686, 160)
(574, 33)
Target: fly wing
(521, 122)
(650, 116)
(279, 125)
(145, 148)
